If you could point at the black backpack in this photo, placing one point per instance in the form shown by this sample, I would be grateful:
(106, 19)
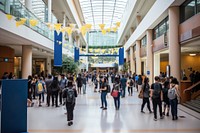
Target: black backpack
(70, 96)
(108, 88)
(157, 90)
(131, 82)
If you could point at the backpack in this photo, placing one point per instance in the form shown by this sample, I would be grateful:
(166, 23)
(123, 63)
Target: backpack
(131, 82)
(172, 93)
(108, 88)
(157, 90)
(70, 96)
(40, 87)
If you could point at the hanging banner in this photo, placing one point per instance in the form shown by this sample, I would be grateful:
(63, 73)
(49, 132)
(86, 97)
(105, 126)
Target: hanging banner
(57, 49)
(76, 54)
(121, 56)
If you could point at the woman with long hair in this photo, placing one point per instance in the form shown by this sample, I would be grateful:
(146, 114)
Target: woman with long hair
(173, 95)
(146, 95)
(103, 90)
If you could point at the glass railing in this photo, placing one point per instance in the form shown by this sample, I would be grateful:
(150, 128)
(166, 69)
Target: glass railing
(17, 9)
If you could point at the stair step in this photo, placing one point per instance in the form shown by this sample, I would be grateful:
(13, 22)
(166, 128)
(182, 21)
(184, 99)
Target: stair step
(191, 107)
(194, 104)
(196, 101)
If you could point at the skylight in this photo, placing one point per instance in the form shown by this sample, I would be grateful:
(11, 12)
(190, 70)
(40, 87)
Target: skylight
(106, 12)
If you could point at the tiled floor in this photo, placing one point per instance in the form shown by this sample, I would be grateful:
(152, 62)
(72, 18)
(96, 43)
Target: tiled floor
(89, 118)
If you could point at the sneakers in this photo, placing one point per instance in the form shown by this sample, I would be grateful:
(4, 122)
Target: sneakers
(155, 119)
(150, 112)
(142, 111)
(70, 123)
(104, 108)
(167, 114)
(101, 107)
(161, 117)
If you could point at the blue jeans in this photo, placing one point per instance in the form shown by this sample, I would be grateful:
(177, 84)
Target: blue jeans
(174, 105)
(123, 91)
(84, 88)
(117, 101)
(103, 99)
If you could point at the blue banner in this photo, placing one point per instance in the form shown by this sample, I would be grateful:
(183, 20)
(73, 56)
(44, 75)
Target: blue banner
(121, 56)
(76, 54)
(57, 49)
(14, 106)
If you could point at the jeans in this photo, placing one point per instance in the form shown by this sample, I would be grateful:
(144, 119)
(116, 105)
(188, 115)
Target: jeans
(84, 88)
(55, 95)
(70, 110)
(103, 99)
(42, 96)
(60, 96)
(145, 100)
(117, 101)
(174, 105)
(157, 101)
(123, 91)
(130, 90)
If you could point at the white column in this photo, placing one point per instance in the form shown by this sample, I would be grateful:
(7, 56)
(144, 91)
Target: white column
(49, 11)
(64, 24)
(26, 61)
(138, 59)
(79, 42)
(149, 61)
(49, 65)
(156, 64)
(138, 20)
(174, 46)
(28, 4)
(8, 6)
(132, 62)
(87, 62)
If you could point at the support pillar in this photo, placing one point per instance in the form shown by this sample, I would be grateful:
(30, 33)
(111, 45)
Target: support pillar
(87, 63)
(174, 46)
(64, 24)
(26, 61)
(156, 64)
(49, 11)
(138, 20)
(48, 65)
(149, 61)
(132, 59)
(28, 4)
(138, 59)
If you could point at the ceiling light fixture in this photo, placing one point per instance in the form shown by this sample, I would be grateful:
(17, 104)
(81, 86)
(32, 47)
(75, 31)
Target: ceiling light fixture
(192, 54)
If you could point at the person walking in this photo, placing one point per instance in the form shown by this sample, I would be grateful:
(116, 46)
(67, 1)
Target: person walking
(79, 81)
(165, 98)
(173, 95)
(55, 89)
(123, 85)
(130, 86)
(70, 95)
(157, 96)
(40, 87)
(103, 90)
(146, 95)
(115, 93)
(48, 82)
(62, 85)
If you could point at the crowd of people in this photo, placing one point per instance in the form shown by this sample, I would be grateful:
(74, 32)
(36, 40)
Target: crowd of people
(63, 89)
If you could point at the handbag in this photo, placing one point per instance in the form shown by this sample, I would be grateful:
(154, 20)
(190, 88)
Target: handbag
(140, 95)
(114, 93)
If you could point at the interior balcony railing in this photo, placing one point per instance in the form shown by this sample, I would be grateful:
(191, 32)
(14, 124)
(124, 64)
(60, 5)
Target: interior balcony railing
(18, 10)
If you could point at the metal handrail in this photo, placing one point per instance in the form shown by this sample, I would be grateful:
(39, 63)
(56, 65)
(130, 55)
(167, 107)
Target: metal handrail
(191, 87)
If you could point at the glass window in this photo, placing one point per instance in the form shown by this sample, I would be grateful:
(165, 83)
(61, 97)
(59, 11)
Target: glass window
(198, 6)
(144, 41)
(190, 10)
(161, 28)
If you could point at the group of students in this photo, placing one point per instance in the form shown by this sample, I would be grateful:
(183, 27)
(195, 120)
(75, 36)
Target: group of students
(65, 89)
(167, 92)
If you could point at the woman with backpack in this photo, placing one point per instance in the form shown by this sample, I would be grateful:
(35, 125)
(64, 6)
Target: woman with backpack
(173, 95)
(115, 93)
(70, 94)
(130, 86)
(146, 95)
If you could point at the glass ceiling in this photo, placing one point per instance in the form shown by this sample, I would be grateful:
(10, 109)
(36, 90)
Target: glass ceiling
(107, 12)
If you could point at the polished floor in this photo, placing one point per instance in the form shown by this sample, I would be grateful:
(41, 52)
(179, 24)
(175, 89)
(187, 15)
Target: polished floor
(89, 118)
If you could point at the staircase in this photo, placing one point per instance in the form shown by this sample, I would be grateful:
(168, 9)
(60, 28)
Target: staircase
(193, 104)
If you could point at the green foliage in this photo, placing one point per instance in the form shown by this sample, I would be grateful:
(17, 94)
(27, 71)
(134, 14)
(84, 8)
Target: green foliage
(68, 66)
(125, 67)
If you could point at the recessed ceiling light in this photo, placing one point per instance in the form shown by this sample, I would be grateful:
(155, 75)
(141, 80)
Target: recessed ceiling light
(193, 54)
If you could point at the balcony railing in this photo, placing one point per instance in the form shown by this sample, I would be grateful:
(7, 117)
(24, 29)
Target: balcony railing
(18, 10)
